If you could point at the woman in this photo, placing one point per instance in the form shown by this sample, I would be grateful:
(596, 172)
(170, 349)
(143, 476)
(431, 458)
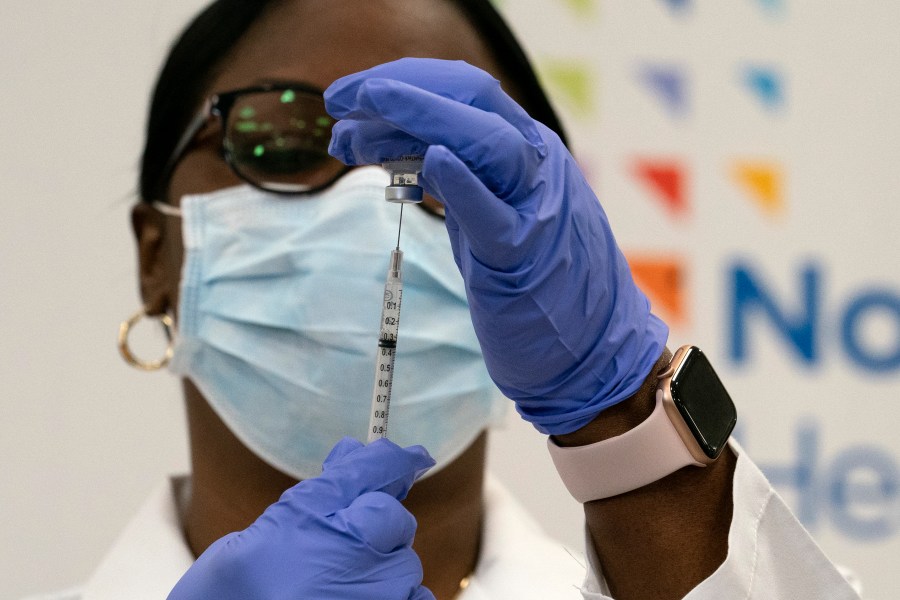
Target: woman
(272, 381)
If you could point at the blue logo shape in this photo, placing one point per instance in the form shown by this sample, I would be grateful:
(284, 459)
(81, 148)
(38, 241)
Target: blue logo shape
(766, 84)
(774, 6)
(668, 83)
(678, 5)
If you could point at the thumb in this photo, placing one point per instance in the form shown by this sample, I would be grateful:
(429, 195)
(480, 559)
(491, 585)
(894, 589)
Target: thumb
(378, 520)
(344, 447)
(380, 466)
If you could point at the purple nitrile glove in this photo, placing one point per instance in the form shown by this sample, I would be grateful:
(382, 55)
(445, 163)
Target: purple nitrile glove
(564, 330)
(343, 534)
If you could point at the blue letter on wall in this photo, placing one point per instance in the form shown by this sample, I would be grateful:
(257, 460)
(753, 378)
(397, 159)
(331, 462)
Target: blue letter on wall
(753, 301)
(868, 302)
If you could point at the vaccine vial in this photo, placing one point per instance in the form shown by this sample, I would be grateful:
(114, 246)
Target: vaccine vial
(404, 187)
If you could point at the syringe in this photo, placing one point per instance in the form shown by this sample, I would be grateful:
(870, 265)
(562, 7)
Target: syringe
(387, 348)
(403, 189)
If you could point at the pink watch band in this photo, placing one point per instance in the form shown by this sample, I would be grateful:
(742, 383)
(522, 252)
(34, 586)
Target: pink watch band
(623, 463)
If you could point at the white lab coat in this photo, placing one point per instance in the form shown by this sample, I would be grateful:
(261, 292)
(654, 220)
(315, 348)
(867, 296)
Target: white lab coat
(770, 555)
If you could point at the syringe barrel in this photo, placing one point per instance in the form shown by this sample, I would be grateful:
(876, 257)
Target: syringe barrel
(387, 348)
(381, 394)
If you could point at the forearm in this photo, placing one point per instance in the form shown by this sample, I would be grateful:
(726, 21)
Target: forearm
(661, 540)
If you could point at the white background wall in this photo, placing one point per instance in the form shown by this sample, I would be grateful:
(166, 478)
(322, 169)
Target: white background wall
(83, 438)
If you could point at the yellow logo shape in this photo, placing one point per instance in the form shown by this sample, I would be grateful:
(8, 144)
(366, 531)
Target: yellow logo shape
(764, 183)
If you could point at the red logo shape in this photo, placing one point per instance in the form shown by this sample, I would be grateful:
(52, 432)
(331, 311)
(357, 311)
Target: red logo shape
(667, 180)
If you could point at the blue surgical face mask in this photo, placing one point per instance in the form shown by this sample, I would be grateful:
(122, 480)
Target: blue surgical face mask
(279, 315)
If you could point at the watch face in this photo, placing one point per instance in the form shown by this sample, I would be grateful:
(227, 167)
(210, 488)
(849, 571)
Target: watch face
(703, 403)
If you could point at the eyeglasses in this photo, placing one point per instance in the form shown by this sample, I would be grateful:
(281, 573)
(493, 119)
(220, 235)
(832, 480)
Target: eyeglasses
(275, 137)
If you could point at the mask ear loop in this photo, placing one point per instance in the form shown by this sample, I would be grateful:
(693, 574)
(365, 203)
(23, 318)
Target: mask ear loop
(167, 209)
(143, 365)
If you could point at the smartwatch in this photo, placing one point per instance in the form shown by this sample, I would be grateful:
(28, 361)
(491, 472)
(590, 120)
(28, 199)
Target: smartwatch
(689, 426)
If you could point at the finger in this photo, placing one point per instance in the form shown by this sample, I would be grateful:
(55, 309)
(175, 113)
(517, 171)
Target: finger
(220, 562)
(378, 520)
(344, 447)
(489, 226)
(380, 466)
(369, 143)
(453, 232)
(421, 593)
(496, 152)
(456, 80)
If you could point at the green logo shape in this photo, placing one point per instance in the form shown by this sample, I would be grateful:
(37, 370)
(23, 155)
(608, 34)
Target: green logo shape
(572, 82)
(582, 7)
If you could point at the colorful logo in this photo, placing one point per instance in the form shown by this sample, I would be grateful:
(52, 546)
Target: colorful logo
(766, 84)
(668, 84)
(763, 183)
(662, 279)
(573, 82)
(666, 179)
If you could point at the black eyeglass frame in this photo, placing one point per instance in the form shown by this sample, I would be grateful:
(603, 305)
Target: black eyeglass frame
(218, 106)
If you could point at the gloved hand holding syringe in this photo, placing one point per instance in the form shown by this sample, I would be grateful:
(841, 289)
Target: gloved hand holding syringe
(404, 189)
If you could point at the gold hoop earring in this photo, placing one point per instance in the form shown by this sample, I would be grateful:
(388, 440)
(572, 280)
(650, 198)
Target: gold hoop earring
(125, 351)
